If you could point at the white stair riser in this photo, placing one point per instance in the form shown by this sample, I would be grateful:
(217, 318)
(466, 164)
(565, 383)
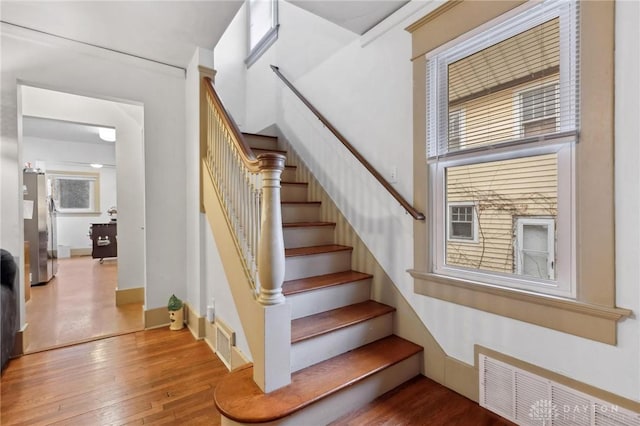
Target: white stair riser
(327, 298)
(340, 403)
(300, 213)
(320, 348)
(260, 142)
(293, 192)
(297, 267)
(307, 236)
(288, 175)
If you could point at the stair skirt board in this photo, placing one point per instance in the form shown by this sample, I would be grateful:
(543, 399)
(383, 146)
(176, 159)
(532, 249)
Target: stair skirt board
(327, 298)
(308, 236)
(320, 348)
(317, 264)
(300, 212)
(350, 398)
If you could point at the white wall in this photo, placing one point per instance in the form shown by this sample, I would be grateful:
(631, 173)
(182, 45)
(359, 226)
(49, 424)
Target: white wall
(62, 156)
(366, 92)
(73, 68)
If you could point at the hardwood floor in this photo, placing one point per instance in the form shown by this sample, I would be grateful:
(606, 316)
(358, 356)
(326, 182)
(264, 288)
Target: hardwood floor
(149, 377)
(422, 401)
(166, 377)
(78, 305)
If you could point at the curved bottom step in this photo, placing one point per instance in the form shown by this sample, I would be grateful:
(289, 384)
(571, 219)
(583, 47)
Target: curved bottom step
(323, 392)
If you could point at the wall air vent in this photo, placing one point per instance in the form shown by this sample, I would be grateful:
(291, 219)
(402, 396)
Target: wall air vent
(529, 399)
(225, 340)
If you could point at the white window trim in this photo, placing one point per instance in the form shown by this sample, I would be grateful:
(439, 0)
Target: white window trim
(551, 243)
(267, 39)
(462, 122)
(565, 279)
(474, 222)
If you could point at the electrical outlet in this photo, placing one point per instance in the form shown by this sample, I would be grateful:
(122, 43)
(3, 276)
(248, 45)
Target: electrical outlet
(393, 176)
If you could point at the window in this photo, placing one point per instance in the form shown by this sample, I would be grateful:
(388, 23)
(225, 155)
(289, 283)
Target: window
(75, 192)
(462, 222)
(535, 247)
(593, 312)
(455, 128)
(539, 110)
(517, 85)
(263, 27)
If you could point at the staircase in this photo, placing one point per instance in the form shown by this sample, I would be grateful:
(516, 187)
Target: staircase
(343, 351)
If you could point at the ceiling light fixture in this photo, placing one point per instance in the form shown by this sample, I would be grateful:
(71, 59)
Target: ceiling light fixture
(107, 134)
(96, 165)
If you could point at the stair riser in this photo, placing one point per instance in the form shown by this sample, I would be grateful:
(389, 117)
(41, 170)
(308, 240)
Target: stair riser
(320, 348)
(261, 142)
(297, 267)
(300, 213)
(335, 406)
(308, 236)
(293, 192)
(324, 299)
(288, 175)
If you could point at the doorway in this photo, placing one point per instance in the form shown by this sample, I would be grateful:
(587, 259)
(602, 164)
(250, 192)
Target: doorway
(93, 181)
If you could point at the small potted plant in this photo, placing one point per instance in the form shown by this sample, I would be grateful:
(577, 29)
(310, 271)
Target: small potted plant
(176, 315)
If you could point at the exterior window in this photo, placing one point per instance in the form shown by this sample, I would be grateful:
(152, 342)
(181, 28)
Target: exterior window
(455, 128)
(262, 27)
(539, 109)
(75, 192)
(502, 200)
(461, 222)
(535, 247)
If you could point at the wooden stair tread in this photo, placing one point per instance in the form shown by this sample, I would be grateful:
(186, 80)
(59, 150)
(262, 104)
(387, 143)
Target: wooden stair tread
(261, 136)
(301, 202)
(321, 281)
(328, 321)
(258, 151)
(305, 251)
(293, 183)
(306, 224)
(238, 398)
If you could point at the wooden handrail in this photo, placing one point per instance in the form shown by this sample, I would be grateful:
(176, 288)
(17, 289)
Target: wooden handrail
(253, 164)
(395, 194)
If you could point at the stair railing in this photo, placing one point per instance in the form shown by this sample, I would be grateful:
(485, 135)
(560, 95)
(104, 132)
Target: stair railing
(395, 194)
(249, 190)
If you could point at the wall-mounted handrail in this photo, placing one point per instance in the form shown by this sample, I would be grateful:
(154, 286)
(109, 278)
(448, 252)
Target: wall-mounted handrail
(249, 190)
(395, 194)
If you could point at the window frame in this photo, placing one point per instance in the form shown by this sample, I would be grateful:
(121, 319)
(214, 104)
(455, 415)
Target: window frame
(267, 39)
(520, 102)
(94, 191)
(520, 223)
(441, 155)
(474, 222)
(593, 314)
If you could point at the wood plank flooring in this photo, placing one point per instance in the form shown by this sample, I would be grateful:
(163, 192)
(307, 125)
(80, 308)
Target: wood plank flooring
(148, 377)
(78, 305)
(166, 377)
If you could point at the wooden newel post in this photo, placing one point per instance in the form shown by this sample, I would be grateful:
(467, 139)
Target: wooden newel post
(271, 246)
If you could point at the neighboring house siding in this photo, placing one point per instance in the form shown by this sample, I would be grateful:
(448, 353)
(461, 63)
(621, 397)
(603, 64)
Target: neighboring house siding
(501, 191)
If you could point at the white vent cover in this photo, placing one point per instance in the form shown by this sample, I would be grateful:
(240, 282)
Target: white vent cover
(225, 340)
(528, 399)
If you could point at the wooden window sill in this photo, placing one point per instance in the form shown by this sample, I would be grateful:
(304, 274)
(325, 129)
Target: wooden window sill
(575, 317)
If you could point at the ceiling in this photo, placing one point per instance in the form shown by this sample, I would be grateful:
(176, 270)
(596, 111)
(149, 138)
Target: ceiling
(169, 31)
(164, 31)
(358, 16)
(46, 128)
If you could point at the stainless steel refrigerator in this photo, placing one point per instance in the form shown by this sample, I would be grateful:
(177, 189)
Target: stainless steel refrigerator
(40, 227)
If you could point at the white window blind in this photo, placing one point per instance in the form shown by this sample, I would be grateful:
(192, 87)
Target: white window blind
(519, 84)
